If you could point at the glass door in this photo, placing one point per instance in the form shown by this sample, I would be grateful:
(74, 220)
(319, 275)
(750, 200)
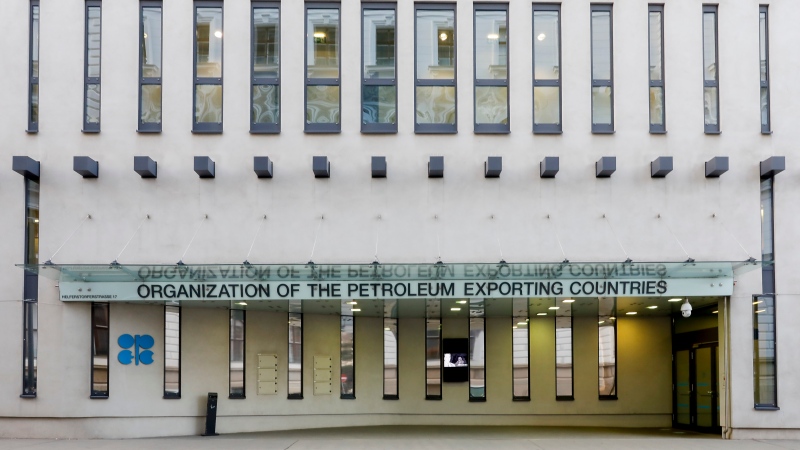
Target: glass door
(696, 391)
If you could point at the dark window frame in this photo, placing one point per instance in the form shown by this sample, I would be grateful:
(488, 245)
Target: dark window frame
(436, 128)
(764, 9)
(322, 127)
(491, 128)
(756, 404)
(243, 395)
(87, 80)
(547, 128)
(33, 126)
(383, 359)
(603, 7)
(342, 395)
(378, 128)
(207, 127)
(572, 357)
(30, 291)
(441, 355)
(93, 394)
(514, 397)
(712, 9)
(296, 396)
(264, 128)
(173, 395)
(148, 127)
(657, 128)
(469, 360)
(616, 349)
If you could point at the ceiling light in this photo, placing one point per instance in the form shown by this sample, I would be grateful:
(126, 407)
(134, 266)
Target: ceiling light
(443, 36)
(714, 312)
(760, 311)
(319, 34)
(757, 302)
(218, 34)
(568, 300)
(514, 327)
(352, 302)
(388, 329)
(462, 302)
(242, 303)
(356, 310)
(652, 307)
(602, 321)
(631, 313)
(553, 307)
(144, 35)
(541, 36)
(613, 318)
(541, 314)
(455, 309)
(675, 300)
(522, 324)
(492, 36)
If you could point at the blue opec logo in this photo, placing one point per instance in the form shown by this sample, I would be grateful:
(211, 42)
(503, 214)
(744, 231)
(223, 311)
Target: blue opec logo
(140, 344)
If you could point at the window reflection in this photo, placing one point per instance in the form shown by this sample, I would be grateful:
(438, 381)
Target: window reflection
(435, 44)
(348, 357)
(433, 358)
(172, 351)
(100, 347)
(379, 43)
(477, 357)
(323, 43)
(237, 345)
(564, 368)
(209, 42)
(390, 372)
(607, 346)
(295, 354)
(266, 43)
(764, 358)
(520, 349)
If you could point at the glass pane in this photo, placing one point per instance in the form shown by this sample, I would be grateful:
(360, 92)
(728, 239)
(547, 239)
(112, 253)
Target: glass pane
(32, 222)
(520, 344)
(491, 45)
(709, 47)
(656, 106)
(683, 388)
(762, 26)
(491, 104)
(100, 346)
(436, 51)
(436, 104)
(390, 356)
(764, 350)
(34, 103)
(208, 54)
(655, 46)
(766, 220)
(710, 101)
(295, 354)
(601, 105)
(322, 43)
(607, 345)
(546, 105)
(151, 42)
(601, 45)
(564, 356)
(266, 42)
(92, 103)
(31, 344)
(322, 104)
(151, 103)
(208, 103)
(379, 104)
(236, 378)
(477, 357)
(546, 57)
(705, 399)
(266, 104)
(348, 358)
(433, 357)
(172, 350)
(93, 42)
(35, 41)
(765, 107)
(379, 43)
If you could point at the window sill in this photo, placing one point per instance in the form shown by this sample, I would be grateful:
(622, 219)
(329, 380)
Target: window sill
(98, 397)
(378, 132)
(265, 131)
(294, 397)
(206, 131)
(236, 397)
(32, 131)
(433, 397)
(766, 408)
(27, 396)
(521, 399)
(603, 132)
(492, 132)
(90, 131)
(391, 397)
(565, 398)
(477, 399)
(767, 133)
(148, 131)
(658, 131)
(347, 397)
(607, 397)
(172, 397)
(554, 132)
(713, 133)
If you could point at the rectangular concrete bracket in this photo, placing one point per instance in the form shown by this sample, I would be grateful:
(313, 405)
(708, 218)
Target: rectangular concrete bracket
(86, 167)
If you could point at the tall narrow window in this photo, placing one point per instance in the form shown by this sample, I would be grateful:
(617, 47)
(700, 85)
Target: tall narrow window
(150, 45)
(520, 350)
(348, 356)
(265, 89)
(763, 26)
(100, 337)
(710, 70)
(91, 83)
(390, 366)
(491, 68)
(435, 68)
(546, 68)
(433, 359)
(237, 348)
(33, 70)
(379, 80)
(564, 369)
(172, 352)
(323, 99)
(656, 56)
(602, 70)
(764, 352)
(477, 359)
(607, 347)
(207, 67)
(30, 291)
(295, 355)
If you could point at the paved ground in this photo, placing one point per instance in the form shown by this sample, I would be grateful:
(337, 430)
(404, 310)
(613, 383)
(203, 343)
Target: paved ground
(423, 438)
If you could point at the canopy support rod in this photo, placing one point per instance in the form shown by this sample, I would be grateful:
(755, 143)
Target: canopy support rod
(377, 237)
(180, 262)
(558, 240)
(627, 258)
(316, 235)
(246, 258)
(50, 261)
(131, 239)
(497, 238)
(722, 222)
(666, 223)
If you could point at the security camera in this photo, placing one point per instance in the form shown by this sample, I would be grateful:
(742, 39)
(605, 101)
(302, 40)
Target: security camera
(686, 309)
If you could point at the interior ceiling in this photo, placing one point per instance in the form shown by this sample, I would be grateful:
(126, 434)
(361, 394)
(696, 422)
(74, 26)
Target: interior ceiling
(493, 307)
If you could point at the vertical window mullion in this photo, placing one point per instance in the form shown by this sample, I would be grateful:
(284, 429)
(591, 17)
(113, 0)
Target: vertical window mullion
(92, 59)
(33, 69)
(208, 66)
(711, 120)
(602, 68)
(657, 93)
(607, 348)
(766, 121)
(546, 68)
(150, 66)
(378, 68)
(435, 75)
(491, 56)
(100, 350)
(172, 352)
(323, 65)
(238, 334)
(265, 52)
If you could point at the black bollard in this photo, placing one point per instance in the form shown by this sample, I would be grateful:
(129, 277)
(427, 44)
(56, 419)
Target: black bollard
(211, 415)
